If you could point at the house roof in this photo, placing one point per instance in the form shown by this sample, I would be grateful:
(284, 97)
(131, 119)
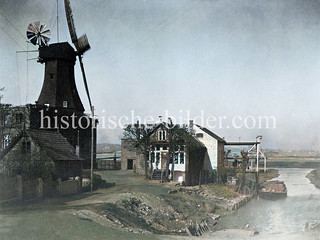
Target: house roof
(185, 136)
(55, 145)
(207, 131)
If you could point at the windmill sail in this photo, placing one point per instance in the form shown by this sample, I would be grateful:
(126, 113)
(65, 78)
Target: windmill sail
(69, 16)
(81, 44)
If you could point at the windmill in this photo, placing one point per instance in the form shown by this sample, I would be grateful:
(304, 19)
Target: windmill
(82, 45)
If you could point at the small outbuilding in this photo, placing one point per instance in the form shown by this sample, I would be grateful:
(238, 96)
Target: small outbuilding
(48, 146)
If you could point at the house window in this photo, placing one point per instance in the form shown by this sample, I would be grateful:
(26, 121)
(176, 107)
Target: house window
(181, 158)
(152, 157)
(181, 148)
(157, 157)
(158, 148)
(161, 135)
(176, 158)
(65, 104)
(164, 148)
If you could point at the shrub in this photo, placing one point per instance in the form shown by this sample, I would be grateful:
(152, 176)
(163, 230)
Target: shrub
(225, 173)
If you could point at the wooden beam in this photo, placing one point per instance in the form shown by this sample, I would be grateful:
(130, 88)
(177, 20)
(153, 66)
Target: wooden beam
(240, 143)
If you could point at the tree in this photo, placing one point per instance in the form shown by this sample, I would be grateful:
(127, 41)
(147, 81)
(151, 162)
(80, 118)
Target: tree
(12, 122)
(28, 165)
(244, 164)
(174, 137)
(139, 137)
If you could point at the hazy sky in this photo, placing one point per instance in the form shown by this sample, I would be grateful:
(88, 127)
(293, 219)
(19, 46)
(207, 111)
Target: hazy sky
(225, 57)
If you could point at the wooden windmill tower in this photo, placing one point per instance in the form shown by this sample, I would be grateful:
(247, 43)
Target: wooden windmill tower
(59, 95)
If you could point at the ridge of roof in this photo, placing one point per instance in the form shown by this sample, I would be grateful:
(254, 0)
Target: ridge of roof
(206, 130)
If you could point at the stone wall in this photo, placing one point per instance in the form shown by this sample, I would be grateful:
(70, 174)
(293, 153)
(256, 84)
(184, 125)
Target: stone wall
(17, 189)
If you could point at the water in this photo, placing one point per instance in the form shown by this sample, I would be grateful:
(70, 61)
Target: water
(282, 217)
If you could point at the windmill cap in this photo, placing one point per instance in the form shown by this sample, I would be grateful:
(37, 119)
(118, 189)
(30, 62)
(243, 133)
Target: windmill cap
(62, 50)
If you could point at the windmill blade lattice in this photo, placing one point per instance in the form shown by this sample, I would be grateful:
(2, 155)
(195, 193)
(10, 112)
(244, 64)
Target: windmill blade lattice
(38, 34)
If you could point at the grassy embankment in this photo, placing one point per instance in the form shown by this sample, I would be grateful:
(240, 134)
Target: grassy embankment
(314, 177)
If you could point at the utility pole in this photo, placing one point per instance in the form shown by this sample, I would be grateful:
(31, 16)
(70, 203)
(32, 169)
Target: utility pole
(93, 126)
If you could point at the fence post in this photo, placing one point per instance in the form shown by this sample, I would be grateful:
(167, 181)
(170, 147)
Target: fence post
(40, 188)
(19, 187)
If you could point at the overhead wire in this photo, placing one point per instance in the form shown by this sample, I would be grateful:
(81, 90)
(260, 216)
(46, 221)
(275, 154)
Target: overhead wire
(14, 40)
(12, 25)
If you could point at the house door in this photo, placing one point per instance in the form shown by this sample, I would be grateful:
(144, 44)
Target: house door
(130, 164)
(164, 158)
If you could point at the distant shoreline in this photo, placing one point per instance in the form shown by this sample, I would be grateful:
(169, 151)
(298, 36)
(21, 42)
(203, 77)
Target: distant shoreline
(292, 162)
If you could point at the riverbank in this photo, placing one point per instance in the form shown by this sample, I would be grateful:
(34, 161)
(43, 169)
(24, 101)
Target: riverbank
(314, 177)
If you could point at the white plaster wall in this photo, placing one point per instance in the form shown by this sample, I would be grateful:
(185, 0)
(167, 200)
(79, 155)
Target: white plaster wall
(180, 167)
(211, 145)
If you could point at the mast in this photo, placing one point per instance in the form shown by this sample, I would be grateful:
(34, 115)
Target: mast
(58, 20)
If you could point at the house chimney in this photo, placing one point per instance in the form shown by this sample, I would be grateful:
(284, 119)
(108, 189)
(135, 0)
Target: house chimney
(191, 124)
(191, 127)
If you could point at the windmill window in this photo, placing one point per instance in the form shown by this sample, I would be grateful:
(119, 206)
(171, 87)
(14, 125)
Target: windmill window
(51, 75)
(65, 104)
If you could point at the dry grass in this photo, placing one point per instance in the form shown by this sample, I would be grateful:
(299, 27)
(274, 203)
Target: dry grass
(271, 173)
(222, 190)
